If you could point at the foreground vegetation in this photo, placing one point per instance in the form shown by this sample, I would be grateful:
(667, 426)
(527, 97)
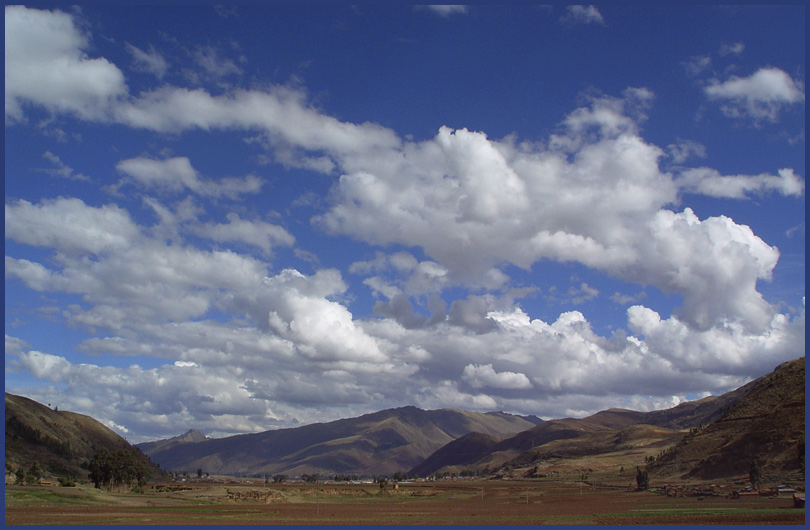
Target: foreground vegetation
(461, 502)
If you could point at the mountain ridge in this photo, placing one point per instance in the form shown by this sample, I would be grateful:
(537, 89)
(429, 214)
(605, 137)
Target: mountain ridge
(381, 442)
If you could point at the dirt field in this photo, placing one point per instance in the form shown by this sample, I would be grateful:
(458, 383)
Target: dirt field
(467, 503)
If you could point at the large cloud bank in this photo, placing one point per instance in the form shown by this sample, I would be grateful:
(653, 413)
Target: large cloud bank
(239, 346)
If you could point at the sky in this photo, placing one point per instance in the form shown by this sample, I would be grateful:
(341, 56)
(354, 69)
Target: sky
(236, 219)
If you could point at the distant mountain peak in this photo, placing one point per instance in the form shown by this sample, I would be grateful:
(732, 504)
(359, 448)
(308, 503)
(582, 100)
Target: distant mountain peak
(192, 436)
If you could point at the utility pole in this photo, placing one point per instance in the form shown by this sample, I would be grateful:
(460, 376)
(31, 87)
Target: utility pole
(317, 506)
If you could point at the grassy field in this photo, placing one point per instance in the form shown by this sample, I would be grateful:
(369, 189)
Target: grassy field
(467, 503)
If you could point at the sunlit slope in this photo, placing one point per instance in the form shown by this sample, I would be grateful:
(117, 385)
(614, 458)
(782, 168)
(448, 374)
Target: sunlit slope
(61, 442)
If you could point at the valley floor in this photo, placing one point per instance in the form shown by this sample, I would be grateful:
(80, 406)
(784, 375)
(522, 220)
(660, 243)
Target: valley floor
(465, 503)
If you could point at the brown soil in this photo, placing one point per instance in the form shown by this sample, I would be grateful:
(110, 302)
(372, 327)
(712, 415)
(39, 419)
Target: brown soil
(468, 503)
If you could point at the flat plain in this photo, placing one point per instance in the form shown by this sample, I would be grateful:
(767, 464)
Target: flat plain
(460, 502)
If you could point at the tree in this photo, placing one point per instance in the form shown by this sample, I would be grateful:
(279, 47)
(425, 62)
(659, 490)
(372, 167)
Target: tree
(642, 479)
(755, 474)
(199, 472)
(141, 472)
(101, 468)
(123, 468)
(35, 471)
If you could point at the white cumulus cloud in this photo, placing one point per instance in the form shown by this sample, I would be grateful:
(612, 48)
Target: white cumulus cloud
(760, 96)
(45, 65)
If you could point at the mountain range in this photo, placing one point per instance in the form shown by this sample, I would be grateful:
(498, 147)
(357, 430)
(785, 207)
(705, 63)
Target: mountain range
(423, 443)
(380, 443)
(706, 439)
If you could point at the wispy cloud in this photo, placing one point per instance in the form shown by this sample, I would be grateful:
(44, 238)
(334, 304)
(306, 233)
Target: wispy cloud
(148, 61)
(712, 183)
(732, 49)
(60, 169)
(583, 15)
(446, 10)
(214, 63)
(685, 150)
(177, 174)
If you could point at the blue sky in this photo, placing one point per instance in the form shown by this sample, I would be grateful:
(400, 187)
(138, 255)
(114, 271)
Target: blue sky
(238, 219)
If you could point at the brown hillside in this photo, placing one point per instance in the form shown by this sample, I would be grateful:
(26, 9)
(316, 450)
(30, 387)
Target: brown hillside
(628, 439)
(774, 399)
(609, 421)
(62, 442)
(699, 412)
(461, 452)
(767, 423)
